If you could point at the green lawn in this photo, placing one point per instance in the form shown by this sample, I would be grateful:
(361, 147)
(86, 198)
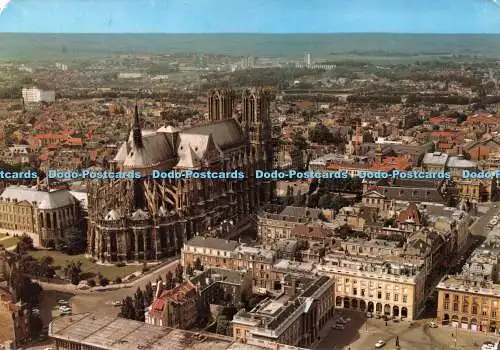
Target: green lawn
(9, 242)
(89, 268)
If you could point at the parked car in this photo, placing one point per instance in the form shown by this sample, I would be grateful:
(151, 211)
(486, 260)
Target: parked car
(433, 325)
(342, 320)
(63, 302)
(379, 344)
(338, 326)
(369, 315)
(378, 315)
(117, 303)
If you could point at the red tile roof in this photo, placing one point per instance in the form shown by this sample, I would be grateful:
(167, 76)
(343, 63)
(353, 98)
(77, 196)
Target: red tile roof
(439, 120)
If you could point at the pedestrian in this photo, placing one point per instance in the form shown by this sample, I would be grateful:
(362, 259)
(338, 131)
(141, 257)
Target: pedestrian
(386, 323)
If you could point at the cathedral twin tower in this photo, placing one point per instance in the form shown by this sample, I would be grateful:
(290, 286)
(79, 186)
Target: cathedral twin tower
(253, 117)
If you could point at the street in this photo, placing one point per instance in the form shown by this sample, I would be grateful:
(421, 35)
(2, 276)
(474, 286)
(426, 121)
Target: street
(97, 302)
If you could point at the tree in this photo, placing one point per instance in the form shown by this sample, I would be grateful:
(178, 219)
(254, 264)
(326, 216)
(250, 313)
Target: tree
(103, 281)
(45, 268)
(27, 291)
(139, 305)
(344, 231)
(179, 271)
(197, 264)
(324, 201)
(73, 271)
(189, 270)
(127, 309)
(35, 325)
(321, 134)
(148, 294)
(169, 280)
(368, 137)
(222, 325)
(26, 243)
(145, 267)
(338, 202)
(74, 240)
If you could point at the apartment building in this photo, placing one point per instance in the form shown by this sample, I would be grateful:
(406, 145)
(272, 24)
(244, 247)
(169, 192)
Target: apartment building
(36, 95)
(377, 286)
(216, 252)
(294, 319)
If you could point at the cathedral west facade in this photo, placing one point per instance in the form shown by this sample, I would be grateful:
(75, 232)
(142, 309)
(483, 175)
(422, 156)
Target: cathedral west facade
(148, 219)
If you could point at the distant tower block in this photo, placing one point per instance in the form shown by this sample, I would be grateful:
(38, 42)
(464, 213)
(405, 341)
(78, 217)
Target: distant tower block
(220, 105)
(307, 59)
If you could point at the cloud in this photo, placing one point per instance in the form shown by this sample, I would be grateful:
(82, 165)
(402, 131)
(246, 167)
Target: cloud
(3, 5)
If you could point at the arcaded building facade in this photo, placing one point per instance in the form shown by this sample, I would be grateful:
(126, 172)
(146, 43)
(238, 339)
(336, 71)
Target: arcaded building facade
(147, 218)
(42, 214)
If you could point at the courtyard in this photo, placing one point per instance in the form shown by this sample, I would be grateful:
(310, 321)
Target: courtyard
(89, 269)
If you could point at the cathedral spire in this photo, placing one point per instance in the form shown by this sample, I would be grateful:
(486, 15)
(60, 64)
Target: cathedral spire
(136, 129)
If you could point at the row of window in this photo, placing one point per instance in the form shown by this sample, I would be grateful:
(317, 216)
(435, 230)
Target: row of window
(473, 310)
(379, 295)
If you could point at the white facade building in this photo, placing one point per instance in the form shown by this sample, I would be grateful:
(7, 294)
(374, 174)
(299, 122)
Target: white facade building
(36, 95)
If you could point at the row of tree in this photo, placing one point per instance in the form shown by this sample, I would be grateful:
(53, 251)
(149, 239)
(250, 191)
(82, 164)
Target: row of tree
(133, 308)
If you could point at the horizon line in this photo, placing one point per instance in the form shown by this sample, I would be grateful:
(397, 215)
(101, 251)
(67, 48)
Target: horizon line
(242, 33)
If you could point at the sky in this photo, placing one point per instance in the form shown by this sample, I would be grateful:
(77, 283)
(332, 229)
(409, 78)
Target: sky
(250, 16)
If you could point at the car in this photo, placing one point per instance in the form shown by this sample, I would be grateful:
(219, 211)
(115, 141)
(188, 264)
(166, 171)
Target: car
(488, 345)
(66, 313)
(369, 315)
(379, 344)
(342, 320)
(63, 302)
(433, 325)
(377, 315)
(338, 326)
(117, 303)
(35, 311)
(64, 307)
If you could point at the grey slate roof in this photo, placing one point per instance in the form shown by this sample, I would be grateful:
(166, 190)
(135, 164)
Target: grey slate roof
(213, 243)
(225, 133)
(155, 151)
(44, 200)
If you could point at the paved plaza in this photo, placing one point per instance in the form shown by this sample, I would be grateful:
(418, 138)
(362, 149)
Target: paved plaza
(362, 334)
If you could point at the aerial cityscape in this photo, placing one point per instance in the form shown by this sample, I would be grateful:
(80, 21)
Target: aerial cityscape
(184, 177)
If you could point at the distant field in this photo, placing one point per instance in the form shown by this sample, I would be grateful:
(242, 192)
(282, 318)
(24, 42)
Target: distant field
(69, 47)
(89, 268)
